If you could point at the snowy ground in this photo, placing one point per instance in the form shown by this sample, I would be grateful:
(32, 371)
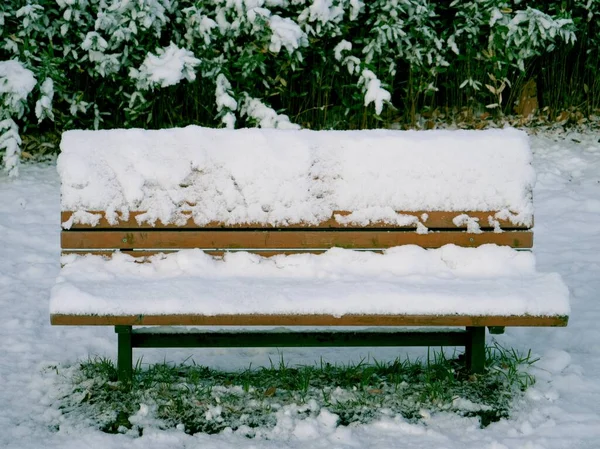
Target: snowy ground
(561, 411)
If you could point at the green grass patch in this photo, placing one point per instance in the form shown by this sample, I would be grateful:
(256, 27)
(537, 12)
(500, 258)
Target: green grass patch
(199, 399)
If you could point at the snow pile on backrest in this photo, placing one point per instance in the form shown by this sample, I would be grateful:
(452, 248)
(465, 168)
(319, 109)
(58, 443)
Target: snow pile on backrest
(292, 176)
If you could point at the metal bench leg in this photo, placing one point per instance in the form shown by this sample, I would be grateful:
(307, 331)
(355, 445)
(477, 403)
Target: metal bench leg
(475, 349)
(124, 354)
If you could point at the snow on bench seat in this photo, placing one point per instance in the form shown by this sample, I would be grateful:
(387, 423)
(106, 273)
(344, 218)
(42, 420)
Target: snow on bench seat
(409, 280)
(285, 177)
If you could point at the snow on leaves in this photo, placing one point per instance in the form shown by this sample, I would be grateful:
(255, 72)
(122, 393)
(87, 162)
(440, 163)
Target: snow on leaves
(374, 93)
(166, 68)
(226, 104)
(264, 116)
(287, 34)
(16, 83)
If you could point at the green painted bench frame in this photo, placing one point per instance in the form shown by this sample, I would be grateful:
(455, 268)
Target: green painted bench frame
(472, 338)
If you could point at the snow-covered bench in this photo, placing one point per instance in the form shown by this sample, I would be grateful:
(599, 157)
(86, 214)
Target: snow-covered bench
(444, 216)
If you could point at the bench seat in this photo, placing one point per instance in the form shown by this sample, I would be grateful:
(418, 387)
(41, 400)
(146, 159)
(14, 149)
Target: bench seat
(338, 287)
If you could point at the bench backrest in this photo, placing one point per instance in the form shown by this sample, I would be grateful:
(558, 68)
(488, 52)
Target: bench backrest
(271, 191)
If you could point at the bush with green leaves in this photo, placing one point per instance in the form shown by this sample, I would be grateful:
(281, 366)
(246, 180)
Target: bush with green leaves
(283, 63)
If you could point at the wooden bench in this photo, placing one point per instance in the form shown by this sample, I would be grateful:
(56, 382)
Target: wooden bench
(109, 288)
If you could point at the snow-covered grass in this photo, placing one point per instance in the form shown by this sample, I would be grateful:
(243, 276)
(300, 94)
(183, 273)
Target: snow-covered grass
(257, 402)
(562, 409)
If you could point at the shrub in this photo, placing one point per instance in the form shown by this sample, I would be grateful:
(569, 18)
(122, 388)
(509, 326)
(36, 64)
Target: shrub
(287, 63)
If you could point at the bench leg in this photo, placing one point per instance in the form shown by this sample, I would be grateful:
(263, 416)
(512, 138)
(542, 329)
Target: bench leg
(124, 354)
(475, 349)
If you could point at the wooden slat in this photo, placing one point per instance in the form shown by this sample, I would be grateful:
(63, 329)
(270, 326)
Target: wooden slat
(309, 320)
(435, 220)
(284, 239)
(217, 253)
(110, 253)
